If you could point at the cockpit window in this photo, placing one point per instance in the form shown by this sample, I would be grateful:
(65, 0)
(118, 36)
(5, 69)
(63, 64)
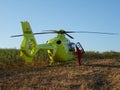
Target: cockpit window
(71, 46)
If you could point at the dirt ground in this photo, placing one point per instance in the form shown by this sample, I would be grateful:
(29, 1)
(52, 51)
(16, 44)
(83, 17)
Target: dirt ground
(103, 74)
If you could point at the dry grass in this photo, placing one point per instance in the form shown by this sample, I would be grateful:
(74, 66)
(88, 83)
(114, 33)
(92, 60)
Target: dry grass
(101, 74)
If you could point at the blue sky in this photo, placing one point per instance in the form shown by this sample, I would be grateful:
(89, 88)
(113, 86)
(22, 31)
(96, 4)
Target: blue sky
(77, 15)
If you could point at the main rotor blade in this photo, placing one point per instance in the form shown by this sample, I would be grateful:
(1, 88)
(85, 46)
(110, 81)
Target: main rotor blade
(91, 32)
(69, 36)
(56, 31)
(33, 34)
(65, 32)
(59, 31)
(43, 33)
(16, 35)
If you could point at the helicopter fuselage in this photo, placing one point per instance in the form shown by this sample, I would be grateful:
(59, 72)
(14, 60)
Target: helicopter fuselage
(63, 50)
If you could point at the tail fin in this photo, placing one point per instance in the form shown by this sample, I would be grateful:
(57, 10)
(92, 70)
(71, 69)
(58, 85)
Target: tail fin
(28, 46)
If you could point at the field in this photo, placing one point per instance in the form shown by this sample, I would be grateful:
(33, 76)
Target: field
(93, 74)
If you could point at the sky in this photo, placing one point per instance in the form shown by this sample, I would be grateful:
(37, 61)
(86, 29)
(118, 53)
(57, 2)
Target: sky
(70, 15)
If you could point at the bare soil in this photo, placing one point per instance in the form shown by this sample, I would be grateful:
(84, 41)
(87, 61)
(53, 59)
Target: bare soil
(101, 74)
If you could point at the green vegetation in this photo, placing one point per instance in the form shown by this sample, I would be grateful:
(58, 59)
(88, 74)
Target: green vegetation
(10, 58)
(12, 55)
(9, 55)
(103, 55)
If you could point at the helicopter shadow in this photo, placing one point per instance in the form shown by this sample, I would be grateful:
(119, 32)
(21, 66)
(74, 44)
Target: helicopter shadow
(103, 65)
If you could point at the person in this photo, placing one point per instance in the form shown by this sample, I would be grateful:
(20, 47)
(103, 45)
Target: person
(79, 51)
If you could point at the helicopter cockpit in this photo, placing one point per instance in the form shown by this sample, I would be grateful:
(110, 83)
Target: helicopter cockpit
(72, 47)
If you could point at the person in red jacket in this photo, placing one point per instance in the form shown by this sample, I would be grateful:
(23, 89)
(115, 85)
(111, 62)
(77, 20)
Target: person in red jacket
(79, 51)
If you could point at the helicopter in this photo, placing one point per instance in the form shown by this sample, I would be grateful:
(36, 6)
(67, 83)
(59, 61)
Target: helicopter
(59, 48)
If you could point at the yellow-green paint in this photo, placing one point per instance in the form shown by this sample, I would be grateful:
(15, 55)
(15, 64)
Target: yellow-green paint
(57, 47)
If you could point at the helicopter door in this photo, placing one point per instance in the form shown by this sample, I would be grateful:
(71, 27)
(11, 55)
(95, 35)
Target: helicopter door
(78, 45)
(79, 51)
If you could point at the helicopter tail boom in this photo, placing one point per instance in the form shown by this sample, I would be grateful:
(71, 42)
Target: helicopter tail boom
(28, 45)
